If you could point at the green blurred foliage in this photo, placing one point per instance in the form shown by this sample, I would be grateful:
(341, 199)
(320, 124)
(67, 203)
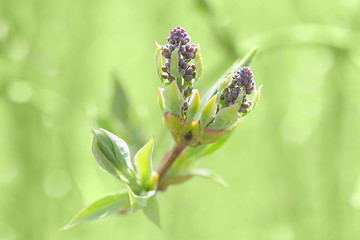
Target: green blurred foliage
(292, 165)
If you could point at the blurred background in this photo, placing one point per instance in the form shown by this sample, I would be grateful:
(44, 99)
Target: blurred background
(293, 164)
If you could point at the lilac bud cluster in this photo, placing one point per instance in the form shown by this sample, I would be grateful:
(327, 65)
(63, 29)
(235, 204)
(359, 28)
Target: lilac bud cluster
(187, 52)
(242, 79)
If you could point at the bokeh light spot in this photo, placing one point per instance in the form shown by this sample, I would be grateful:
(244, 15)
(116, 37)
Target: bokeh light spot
(18, 50)
(4, 29)
(8, 171)
(355, 197)
(57, 184)
(20, 91)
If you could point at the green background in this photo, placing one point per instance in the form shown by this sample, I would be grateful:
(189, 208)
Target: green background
(293, 164)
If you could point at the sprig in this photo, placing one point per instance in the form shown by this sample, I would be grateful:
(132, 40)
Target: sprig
(198, 128)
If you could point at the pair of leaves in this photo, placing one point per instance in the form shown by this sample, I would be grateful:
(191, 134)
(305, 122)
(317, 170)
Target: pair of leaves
(114, 203)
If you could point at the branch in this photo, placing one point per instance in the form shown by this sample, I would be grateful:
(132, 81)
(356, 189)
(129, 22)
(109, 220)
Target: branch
(174, 154)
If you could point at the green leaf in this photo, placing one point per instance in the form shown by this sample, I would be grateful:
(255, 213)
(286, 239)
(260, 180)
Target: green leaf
(208, 112)
(195, 134)
(175, 180)
(203, 7)
(174, 100)
(256, 98)
(157, 61)
(208, 135)
(204, 150)
(208, 174)
(114, 150)
(198, 65)
(99, 209)
(222, 86)
(176, 124)
(194, 105)
(143, 161)
(120, 104)
(225, 117)
(139, 200)
(174, 65)
(151, 211)
(161, 100)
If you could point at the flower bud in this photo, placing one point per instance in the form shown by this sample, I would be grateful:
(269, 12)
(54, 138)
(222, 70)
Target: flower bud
(112, 153)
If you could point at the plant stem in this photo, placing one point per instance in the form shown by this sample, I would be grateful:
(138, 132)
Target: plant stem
(175, 152)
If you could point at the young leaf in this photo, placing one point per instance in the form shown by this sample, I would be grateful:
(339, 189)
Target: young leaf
(161, 100)
(157, 60)
(194, 105)
(120, 104)
(225, 117)
(208, 112)
(195, 134)
(174, 65)
(139, 200)
(256, 98)
(99, 209)
(198, 65)
(222, 86)
(204, 150)
(208, 174)
(176, 124)
(173, 99)
(143, 161)
(208, 135)
(151, 211)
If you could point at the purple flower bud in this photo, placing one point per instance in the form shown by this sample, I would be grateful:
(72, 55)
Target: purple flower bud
(164, 75)
(166, 55)
(190, 70)
(228, 97)
(234, 94)
(182, 71)
(188, 78)
(245, 105)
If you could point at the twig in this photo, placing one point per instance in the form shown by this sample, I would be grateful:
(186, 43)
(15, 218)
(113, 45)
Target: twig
(174, 154)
